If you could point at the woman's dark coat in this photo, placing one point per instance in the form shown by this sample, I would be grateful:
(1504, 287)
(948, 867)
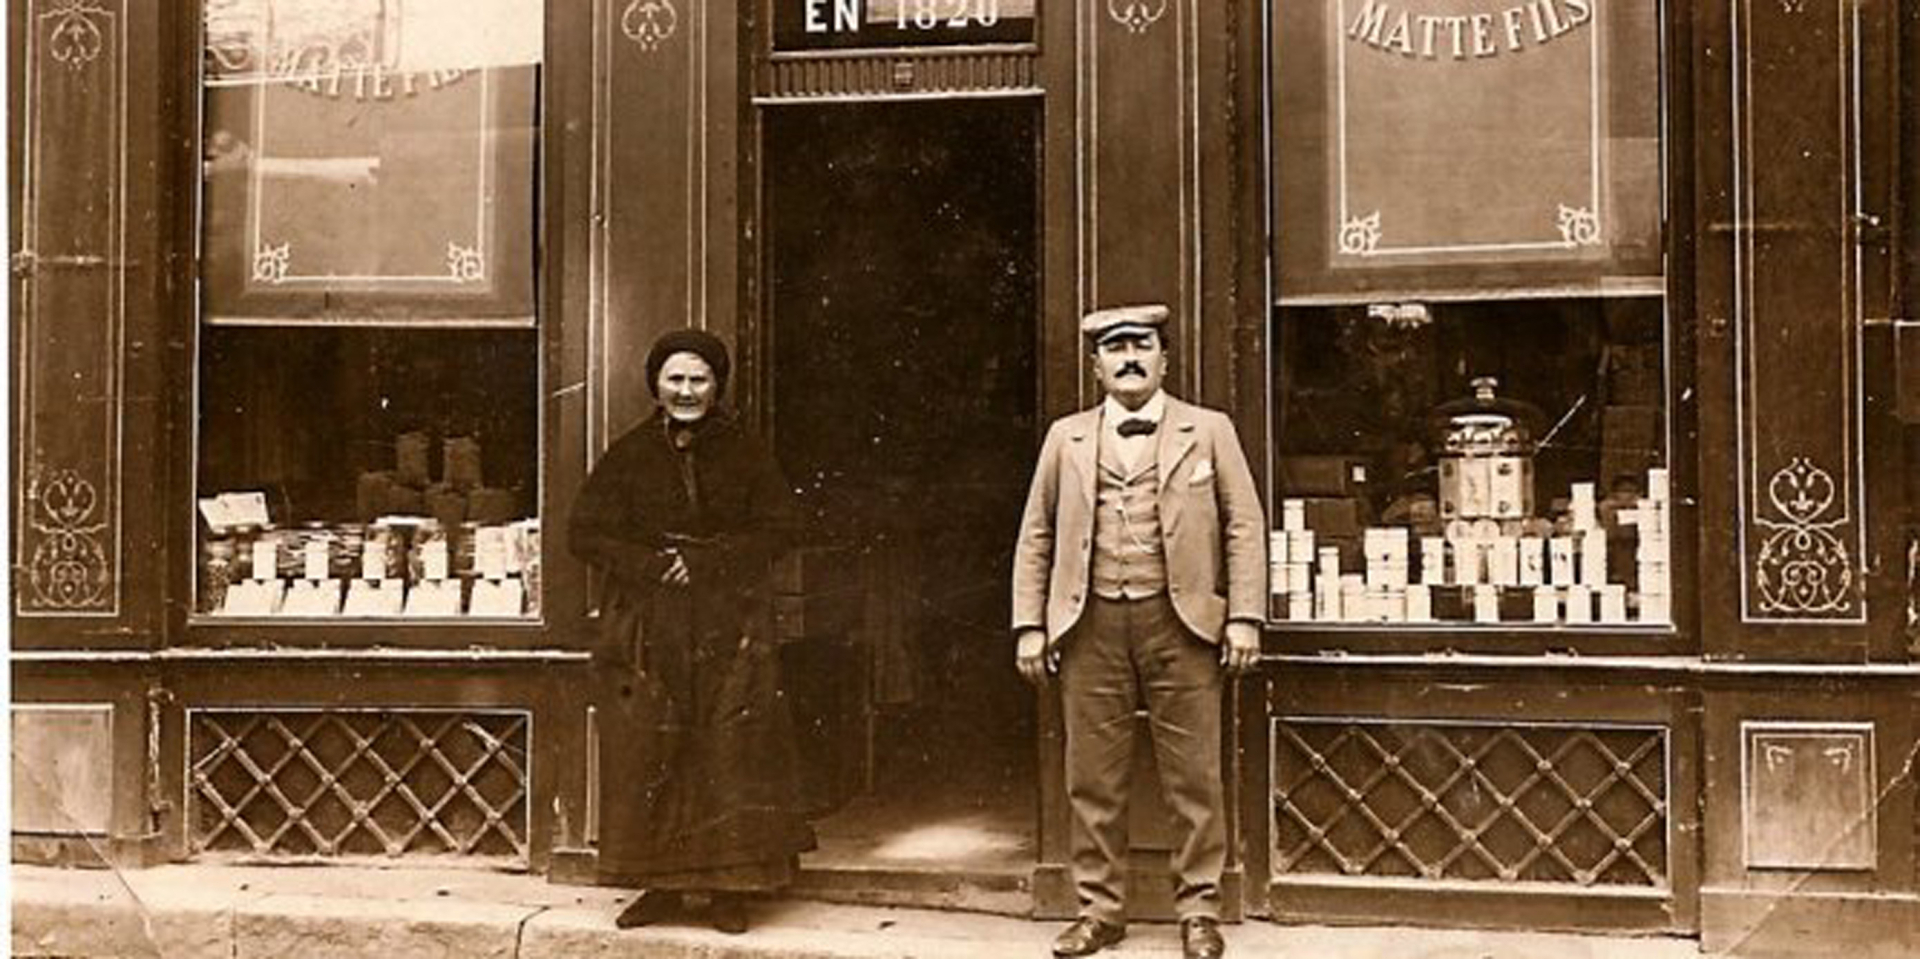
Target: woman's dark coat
(696, 744)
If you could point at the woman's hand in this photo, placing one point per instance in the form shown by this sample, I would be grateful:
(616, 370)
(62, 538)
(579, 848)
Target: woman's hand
(676, 573)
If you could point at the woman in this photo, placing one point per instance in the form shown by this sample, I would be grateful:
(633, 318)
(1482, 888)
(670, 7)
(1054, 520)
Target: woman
(683, 517)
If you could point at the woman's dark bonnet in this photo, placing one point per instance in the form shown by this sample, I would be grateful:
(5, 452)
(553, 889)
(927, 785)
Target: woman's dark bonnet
(698, 342)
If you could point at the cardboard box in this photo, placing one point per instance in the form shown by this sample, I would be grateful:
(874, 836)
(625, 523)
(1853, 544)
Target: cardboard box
(1322, 476)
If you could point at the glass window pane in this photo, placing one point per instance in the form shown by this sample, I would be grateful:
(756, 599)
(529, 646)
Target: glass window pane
(369, 358)
(369, 161)
(1433, 148)
(1470, 359)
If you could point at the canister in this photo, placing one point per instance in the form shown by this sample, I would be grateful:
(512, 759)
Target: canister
(1486, 445)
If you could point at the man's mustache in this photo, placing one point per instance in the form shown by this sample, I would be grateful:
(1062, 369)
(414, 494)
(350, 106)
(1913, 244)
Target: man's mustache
(1130, 366)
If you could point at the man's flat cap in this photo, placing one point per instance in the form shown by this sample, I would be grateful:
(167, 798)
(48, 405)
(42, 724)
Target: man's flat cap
(1103, 325)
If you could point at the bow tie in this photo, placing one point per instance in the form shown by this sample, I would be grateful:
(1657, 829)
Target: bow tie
(1137, 426)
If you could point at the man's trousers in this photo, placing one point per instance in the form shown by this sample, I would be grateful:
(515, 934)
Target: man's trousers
(1124, 654)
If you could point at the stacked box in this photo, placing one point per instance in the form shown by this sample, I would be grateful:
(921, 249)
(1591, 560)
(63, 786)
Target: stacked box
(1353, 598)
(1532, 560)
(1433, 561)
(1579, 605)
(1583, 508)
(1593, 558)
(1469, 559)
(1326, 601)
(1279, 583)
(1299, 563)
(1653, 553)
(1546, 605)
(1613, 604)
(1386, 551)
(1486, 603)
(1503, 561)
(1561, 570)
(1301, 546)
(1326, 587)
(1300, 607)
(1293, 515)
(1290, 563)
(1419, 603)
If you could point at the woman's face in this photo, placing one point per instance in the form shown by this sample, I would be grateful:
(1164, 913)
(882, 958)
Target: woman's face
(686, 387)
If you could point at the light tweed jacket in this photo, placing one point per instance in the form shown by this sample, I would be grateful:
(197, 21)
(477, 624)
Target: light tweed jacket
(1212, 527)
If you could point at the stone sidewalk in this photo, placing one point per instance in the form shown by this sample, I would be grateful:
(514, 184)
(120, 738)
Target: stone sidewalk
(320, 912)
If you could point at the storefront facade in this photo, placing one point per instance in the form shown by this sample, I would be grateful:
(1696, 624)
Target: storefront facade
(1622, 639)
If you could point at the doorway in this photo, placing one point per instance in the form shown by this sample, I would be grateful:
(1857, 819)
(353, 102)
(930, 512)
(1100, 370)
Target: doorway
(902, 298)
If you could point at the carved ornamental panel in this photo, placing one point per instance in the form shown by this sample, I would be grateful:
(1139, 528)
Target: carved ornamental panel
(70, 298)
(1797, 311)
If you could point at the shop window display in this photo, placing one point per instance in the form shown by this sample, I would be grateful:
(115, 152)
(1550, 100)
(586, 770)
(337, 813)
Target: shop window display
(1470, 362)
(369, 348)
(1473, 463)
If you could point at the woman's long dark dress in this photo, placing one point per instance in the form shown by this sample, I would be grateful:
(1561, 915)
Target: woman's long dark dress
(698, 778)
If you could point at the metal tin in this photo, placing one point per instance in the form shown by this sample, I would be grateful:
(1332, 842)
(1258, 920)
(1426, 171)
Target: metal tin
(1486, 446)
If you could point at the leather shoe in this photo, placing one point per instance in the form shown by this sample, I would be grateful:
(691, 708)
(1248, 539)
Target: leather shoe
(1087, 936)
(648, 907)
(728, 913)
(1200, 938)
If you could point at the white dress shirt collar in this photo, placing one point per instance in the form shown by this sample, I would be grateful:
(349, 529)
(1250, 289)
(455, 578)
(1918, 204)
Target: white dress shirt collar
(1153, 410)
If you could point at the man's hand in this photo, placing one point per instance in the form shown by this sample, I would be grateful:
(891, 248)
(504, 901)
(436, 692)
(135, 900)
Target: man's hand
(1033, 657)
(1240, 649)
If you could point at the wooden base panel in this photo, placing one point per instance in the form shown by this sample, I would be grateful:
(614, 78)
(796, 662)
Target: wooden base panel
(1738, 922)
(1472, 905)
(996, 893)
(90, 852)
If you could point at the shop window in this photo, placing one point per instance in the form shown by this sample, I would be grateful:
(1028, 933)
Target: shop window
(1470, 363)
(369, 348)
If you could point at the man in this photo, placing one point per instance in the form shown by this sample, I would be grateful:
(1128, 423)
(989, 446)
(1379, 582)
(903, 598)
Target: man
(1142, 512)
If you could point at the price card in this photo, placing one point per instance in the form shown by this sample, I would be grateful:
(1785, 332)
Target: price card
(500, 598)
(373, 560)
(433, 598)
(433, 559)
(314, 559)
(490, 552)
(373, 598)
(311, 598)
(266, 558)
(253, 598)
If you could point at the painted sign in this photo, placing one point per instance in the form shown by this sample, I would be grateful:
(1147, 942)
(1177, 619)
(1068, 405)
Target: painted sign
(850, 24)
(1464, 134)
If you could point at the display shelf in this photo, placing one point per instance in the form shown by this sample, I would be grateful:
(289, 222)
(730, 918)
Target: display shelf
(453, 635)
(1435, 642)
(377, 322)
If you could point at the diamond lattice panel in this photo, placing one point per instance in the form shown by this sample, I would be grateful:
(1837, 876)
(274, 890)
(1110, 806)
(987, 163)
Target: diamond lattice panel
(302, 784)
(1572, 805)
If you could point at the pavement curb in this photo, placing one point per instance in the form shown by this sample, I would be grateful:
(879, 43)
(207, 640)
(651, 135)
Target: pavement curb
(223, 912)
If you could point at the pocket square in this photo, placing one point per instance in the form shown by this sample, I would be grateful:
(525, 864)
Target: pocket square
(1202, 472)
